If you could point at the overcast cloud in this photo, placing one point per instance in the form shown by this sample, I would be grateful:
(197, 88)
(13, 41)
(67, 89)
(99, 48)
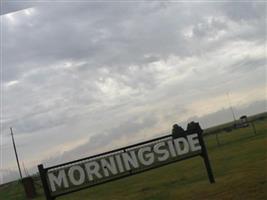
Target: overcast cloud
(81, 78)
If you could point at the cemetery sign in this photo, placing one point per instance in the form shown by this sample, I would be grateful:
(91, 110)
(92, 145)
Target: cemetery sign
(83, 173)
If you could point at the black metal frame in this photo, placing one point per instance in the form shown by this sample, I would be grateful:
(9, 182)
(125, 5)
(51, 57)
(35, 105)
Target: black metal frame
(43, 171)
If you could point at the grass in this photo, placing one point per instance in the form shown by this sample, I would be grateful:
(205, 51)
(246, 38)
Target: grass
(239, 166)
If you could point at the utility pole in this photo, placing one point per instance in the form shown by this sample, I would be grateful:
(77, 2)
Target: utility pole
(231, 107)
(14, 145)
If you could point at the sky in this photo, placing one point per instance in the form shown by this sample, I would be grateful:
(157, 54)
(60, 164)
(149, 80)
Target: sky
(79, 78)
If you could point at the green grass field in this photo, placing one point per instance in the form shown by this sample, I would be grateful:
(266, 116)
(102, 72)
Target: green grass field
(239, 165)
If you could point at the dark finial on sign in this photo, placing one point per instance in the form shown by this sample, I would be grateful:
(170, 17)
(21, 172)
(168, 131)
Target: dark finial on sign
(193, 127)
(178, 131)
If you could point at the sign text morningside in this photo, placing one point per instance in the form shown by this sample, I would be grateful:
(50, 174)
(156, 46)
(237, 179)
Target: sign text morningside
(122, 163)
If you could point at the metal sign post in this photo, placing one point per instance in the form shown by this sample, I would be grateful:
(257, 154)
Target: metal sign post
(42, 173)
(80, 174)
(205, 155)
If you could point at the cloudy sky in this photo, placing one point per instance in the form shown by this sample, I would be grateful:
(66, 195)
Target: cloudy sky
(85, 77)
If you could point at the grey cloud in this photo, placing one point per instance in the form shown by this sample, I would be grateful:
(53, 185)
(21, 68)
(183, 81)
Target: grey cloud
(129, 127)
(249, 64)
(116, 36)
(105, 38)
(243, 11)
(209, 28)
(101, 140)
